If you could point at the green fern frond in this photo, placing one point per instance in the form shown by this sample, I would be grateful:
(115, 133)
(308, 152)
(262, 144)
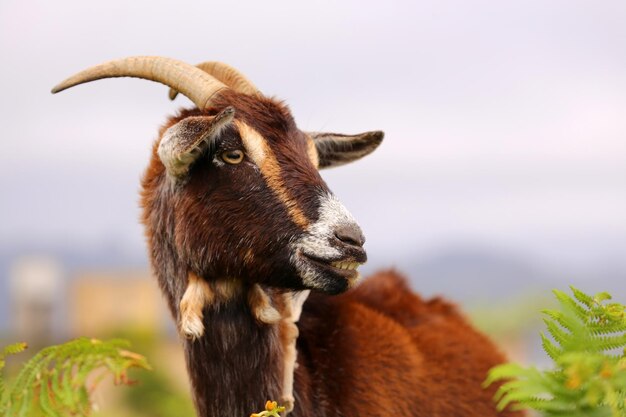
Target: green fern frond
(589, 377)
(550, 348)
(6, 351)
(599, 328)
(587, 300)
(565, 320)
(504, 371)
(54, 381)
(13, 350)
(560, 336)
(604, 343)
(568, 305)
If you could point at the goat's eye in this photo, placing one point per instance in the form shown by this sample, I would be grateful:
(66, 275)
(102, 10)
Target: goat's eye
(232, 157)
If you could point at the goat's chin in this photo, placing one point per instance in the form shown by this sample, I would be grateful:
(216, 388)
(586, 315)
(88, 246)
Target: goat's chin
(334, 287)
(330, 283)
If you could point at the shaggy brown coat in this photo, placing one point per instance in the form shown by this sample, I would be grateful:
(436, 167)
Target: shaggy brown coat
(378, 349)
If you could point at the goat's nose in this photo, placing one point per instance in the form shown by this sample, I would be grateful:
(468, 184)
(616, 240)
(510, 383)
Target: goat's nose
(350, 234)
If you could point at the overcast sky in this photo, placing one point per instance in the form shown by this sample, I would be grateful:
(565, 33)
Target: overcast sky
(505, 121)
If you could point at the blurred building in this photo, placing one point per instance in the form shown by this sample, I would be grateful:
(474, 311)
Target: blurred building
(35, 285)
(103, 302)
(100, 302)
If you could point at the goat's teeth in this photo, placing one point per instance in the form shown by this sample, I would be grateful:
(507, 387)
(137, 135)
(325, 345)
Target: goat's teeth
(348, 266)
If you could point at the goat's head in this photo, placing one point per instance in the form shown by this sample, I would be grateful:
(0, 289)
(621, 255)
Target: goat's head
(233, 185)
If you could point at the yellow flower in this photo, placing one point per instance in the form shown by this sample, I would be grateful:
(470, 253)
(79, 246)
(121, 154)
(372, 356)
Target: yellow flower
(272, 409)
(573, 382)
(606, 371)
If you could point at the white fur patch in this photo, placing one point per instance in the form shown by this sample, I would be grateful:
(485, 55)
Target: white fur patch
(294, 302)
(196, 296)
(297, 302)
(191, 325)
(316, 241)
(261, 306)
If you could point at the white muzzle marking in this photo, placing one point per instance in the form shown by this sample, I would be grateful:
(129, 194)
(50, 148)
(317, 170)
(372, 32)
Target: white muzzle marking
(317, 240)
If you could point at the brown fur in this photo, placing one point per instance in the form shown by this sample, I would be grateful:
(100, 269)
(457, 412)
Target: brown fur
(376, 350)
(200, 295)
(381, 350)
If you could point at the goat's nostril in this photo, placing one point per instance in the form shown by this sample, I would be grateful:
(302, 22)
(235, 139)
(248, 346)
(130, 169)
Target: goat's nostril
(350, 234)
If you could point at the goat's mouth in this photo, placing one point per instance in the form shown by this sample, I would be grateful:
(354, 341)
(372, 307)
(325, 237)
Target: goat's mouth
(345, 268)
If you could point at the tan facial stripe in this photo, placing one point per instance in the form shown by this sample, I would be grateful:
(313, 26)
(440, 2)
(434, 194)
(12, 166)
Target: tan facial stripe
(312, 151)
(261, 154)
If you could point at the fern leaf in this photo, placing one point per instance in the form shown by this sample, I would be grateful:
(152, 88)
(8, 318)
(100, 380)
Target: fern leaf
(505, 389)
(551, 407)
(504, 371)
(599, 327)
(550, 348)
(600, 297)
(6, 351)
(569, 305)
(13, 349)
(46, 401)
(589, 377)
(566, 321)
(53, 381)
(558, 334)
(585, 299)
(604, 343)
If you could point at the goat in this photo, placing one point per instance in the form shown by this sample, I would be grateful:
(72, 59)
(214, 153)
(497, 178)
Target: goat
(240, 227)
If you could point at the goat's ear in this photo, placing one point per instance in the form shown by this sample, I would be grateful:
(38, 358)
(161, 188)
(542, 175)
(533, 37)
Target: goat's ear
(334, 149)
(184, 142)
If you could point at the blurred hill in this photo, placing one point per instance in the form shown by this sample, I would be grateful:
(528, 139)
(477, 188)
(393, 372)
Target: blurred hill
(472, 275)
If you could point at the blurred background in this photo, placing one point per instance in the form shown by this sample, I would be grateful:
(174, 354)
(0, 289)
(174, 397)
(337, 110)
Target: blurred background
(502, 174)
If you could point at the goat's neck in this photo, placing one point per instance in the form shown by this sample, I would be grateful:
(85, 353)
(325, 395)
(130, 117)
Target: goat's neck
(237, 364)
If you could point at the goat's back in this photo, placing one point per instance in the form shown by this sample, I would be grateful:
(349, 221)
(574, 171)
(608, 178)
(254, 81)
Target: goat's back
(382, 350)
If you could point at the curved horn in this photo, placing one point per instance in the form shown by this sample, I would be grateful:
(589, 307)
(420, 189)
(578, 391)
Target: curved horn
(228, 75)
(194, 83)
